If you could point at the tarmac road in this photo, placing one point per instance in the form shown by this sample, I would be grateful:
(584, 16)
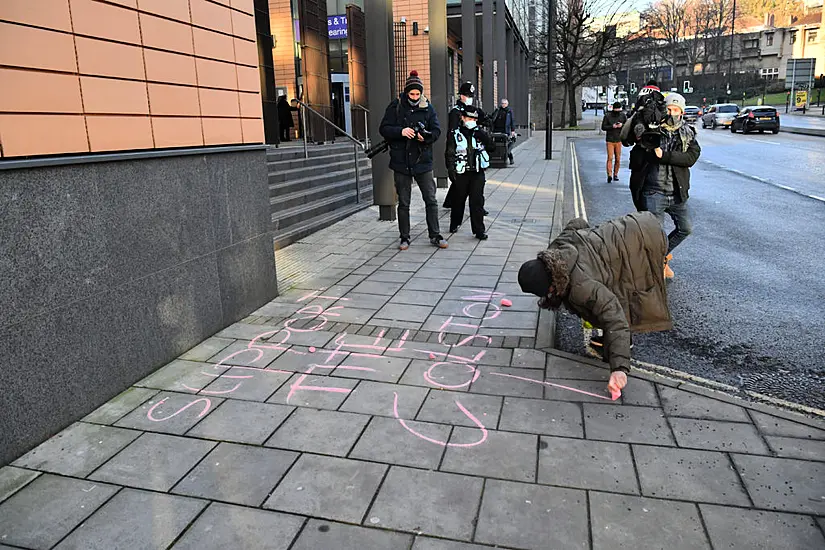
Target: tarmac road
(748, 300)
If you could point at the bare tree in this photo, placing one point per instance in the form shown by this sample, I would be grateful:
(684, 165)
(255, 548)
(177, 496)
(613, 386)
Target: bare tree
(586, 44)
(666, 21)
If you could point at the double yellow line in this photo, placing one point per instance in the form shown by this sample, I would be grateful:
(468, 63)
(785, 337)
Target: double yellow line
(578, 197)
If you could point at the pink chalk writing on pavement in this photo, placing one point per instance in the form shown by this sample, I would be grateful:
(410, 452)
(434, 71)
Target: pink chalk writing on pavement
(436, 441)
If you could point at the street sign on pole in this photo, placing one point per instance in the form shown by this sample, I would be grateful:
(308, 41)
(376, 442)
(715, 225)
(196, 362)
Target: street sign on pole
(801, 99)
(799, 73)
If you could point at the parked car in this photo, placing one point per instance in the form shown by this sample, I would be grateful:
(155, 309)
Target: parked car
(692, 114)
(721, 114)
(756, 118)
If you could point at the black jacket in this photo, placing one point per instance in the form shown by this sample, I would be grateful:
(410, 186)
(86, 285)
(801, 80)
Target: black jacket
(681, 161)
(410, 156)
(613, 135)
(481, 136)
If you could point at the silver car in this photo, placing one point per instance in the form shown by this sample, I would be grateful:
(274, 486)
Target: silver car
(721, 114)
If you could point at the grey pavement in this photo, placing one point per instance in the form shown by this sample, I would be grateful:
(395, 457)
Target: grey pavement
(388, 400)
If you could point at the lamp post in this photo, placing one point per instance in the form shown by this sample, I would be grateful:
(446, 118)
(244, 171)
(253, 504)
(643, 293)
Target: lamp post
(551, 68)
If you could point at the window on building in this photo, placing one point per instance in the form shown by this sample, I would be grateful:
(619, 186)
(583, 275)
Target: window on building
(750, 44)
(769, 39)
(812, 35)
(771, 73)
(793, 37)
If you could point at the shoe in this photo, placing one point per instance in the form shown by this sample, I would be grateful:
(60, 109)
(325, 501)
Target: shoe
(405, 244)
(439, 242)
(481, 236)
(512, 162)
(447, 205)
(486, 213)
(616, 178)
(609, 179)
(668, 272)
(454, 228)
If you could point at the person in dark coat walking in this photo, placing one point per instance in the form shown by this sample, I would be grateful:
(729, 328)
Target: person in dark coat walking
(610, 276)
(467, 156)
(503, 123)
(410, 125)
(466, 93)
(285, 122)
(612, 125)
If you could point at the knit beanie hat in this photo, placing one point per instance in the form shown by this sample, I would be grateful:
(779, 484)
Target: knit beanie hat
(413, 83)
(534, 278)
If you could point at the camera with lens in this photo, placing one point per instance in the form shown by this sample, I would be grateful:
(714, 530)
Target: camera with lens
(419, 128)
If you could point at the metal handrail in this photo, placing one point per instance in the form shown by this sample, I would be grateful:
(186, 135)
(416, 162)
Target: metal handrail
(357, 106)
(356, 144)
(366, 122)
(328, 121)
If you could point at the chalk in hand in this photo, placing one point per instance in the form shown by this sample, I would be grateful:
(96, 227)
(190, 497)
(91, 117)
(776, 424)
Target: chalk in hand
(506, 303)
(615, 394)
(432, 356)
(312, 349)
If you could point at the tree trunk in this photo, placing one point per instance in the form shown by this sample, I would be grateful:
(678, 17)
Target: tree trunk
(561, 107)
(571, 101)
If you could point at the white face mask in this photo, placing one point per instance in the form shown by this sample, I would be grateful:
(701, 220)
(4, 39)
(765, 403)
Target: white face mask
(468, 100)
(470, 124)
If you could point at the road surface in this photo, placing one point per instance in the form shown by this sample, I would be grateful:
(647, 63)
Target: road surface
(748, 300)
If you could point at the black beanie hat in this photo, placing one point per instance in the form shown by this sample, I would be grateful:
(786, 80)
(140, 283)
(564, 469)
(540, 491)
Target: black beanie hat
(413, 83)
(467, 89)
(534, 278)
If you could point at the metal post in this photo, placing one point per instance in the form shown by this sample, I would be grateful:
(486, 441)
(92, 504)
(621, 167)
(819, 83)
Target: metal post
(488, 97)
(304, 122)
(438, 82)
(357, 174)
(551, 69)
(366, 130)
(791, 99)
(468, 40)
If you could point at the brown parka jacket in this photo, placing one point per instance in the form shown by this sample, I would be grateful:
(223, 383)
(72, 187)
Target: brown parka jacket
(612, 276)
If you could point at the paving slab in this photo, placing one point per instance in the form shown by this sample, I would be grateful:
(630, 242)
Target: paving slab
(250, 384)
(783, 483)
(512, 384)
(427, 284)
(240, 474)
(300, 359)
(528, 359)
(436, 373)
(501, 455)
(378, 287)
(530, 516)
(571, 390)
(246, 331)
(541, 417)
(741, 529)
(443, 407)
(319, 431)
(224, 526)
(771, 425)
(387, 440)
(242, 353)
(718, 436)
(383, 275)
(172, 413)
(681, 403)
(700, 476)
(138, 520)
(180, 376)
(13, 479)
(78, 450)
(426, 543)
(326, 535)
(314, 391)
(416, 297)
(382, 399)
(154, 461)
(328, 487)
(115, 409)
(381, 369)
(360, 300)
(792, 447)
(636, 523)
(586, 464)
(206, 349)
(427, 502)
(627, 424)
(242, 422)
(48, 508)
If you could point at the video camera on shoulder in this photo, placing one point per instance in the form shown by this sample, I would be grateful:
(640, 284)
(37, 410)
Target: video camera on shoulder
(647, 117)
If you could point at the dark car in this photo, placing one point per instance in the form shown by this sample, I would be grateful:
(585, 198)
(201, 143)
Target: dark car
(756, 118)
(692, 114)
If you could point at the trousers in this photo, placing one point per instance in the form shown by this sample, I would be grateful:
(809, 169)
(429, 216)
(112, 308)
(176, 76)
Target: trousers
(403, 187)
(469, 184)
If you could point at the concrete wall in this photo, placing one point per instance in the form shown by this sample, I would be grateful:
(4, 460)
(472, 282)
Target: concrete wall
(89, 76)
(109, 270)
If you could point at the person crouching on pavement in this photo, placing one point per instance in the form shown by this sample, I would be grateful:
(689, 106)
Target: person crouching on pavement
(667, 174)
(410, 125)
(468, 155)
(610, 276)
(612, 125)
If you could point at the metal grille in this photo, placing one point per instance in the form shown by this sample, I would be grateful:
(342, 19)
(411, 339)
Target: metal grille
(400, 36)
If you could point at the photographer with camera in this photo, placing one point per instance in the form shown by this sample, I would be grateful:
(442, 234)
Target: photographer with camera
(661, 172)
(410, 126)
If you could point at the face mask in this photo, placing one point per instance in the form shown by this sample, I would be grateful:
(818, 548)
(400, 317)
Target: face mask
(414, 103)
(673, 120)
(470, 124)
(468, 101)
